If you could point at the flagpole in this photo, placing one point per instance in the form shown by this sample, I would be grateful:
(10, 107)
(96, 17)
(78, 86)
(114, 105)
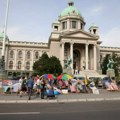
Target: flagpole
(5, 29)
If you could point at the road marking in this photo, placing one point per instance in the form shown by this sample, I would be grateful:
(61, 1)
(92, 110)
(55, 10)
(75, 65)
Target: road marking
(20, 113)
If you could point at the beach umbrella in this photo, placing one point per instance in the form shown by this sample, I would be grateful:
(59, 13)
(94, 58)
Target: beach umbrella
(48, 76)
(64, 77)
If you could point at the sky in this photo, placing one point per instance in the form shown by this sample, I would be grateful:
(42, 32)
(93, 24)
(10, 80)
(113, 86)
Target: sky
(31, 20)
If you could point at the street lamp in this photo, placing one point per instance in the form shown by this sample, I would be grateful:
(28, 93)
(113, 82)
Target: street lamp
(2, 60)
(5, 29)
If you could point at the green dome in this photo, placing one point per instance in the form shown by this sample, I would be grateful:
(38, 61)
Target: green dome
(70, 9)
(94, 25)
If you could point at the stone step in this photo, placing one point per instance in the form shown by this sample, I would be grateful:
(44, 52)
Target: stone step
(88, 73)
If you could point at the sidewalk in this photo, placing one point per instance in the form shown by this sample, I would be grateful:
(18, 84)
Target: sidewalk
(71, 97)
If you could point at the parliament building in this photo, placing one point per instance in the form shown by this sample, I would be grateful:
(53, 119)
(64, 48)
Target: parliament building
(68, 38)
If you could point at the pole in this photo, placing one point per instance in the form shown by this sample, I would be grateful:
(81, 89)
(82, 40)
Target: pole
(5, 28)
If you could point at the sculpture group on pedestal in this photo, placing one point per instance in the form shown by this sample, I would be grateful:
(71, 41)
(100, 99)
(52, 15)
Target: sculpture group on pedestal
(110, 64)
(67, 62)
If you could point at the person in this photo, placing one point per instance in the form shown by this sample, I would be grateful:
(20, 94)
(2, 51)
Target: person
(42, 89)
(93, 88)
(10, 84)
(38, 85)
(76, 71)
(23, 86)
(30, 84)
(20, 84)
(78, 86)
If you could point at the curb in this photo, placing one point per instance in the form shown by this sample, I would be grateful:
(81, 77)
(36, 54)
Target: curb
(59, 101)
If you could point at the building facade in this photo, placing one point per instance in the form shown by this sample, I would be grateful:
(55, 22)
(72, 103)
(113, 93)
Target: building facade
(68, 39)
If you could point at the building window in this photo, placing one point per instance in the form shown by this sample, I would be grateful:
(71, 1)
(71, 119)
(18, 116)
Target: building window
(28, 54)
(19, 65)
(11, 65)
(64, 25)
(94, 31)
(27, 65)
(11, 54)
(73, 24)
(19, 54)
(81, 26)
(56, 28)
(36, 55)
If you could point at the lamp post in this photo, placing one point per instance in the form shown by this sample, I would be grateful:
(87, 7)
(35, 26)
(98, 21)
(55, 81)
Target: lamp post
(2, 60)
(5, 29)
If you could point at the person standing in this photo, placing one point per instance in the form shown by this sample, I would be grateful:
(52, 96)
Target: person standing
(42, 89)
(23, 86)
(30, 84)
(38, 86)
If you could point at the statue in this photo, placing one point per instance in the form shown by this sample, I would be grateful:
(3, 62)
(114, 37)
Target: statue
(110, 64)
(68, 62)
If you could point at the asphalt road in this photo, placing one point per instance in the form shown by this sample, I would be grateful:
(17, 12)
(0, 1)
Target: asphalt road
(105, 110)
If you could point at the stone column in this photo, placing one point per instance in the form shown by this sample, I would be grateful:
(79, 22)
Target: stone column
(86, 56)
(68, 24)
(95, 59)
(62, 54)
(71, 54)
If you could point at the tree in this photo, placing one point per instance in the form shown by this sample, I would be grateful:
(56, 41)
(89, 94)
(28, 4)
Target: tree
(54, 65)
(47, 65)
(116, 60)
(116, 65)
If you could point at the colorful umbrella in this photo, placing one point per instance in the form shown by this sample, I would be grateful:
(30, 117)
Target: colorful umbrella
(64, 77)
(48, 76)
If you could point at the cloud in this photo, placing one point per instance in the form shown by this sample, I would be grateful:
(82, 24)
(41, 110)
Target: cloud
(96, 10)
(15, 33)
(112, 38)
(18, 34)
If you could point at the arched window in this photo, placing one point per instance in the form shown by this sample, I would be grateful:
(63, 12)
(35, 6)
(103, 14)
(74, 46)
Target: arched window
(11, 54)
(10, 64)
(19, 65)
(28, 54)
(36, 55)
(27, 65)
(19, 54)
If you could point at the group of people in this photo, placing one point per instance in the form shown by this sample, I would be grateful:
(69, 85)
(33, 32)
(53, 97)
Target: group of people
(110, 84)
(39, 86)
(51, 87)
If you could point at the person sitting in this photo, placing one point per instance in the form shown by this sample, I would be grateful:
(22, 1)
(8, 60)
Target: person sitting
(50, 92)
(93, 88)
(72, 88)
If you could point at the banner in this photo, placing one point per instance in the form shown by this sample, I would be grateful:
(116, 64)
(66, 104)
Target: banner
(7, 82)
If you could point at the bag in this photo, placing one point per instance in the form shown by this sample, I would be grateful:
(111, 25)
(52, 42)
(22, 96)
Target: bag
(51, 92)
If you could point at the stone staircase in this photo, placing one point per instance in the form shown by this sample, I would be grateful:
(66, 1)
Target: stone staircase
(88, 73)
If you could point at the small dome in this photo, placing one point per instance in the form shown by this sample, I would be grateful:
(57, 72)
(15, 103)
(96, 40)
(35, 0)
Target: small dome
(94, 25)
(69, 10)
(2, 36)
